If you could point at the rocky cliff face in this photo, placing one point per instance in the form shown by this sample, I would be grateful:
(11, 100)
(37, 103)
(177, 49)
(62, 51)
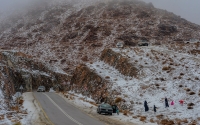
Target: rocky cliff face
(119, 62)
(18, 69)
(90, 84)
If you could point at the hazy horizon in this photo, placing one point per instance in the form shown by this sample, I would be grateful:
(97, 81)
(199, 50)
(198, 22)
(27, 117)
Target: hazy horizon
(188, 10)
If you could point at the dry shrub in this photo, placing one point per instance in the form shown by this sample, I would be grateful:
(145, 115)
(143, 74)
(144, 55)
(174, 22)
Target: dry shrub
(151, 120)
(118, 99)
(144, 87)
(190, 107)
(143, 118)
(93, 103)
(134, 117)
(81, 98)
(192, 93)
(185, 120)
(165, 68)
(1, 117)
(164, 62)
(167, 122)
(71, 97)
(194, 122)
(131, 102)
(178, 121)
(157, 84)
(187, 89)
(107, 77)
(15, 108)
(181, 74)
(175, 78)
(162, 79)
(18, 123)
(196, 78)
(66, 96)
(168, 71)
(21, 101)
(180, 86)
(179, 77)
(190, 104)
(159, 116)
(125, 112)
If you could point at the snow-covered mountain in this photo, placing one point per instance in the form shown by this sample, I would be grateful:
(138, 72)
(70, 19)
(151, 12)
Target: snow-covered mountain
(69, 33)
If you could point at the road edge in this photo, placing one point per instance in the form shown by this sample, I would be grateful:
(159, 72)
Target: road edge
(49, 122)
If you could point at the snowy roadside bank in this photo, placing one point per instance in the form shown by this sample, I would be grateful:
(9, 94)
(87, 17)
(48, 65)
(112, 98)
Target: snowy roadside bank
(87, 105)
(35, 114)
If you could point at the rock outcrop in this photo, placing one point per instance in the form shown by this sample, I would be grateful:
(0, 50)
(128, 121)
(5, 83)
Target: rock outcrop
(119, 62)
(89, 83)
(18, 69)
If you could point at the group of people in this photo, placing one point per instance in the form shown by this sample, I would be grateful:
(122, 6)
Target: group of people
(166, 104)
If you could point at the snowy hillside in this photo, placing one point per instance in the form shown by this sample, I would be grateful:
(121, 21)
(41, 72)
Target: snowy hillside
(67, 33)
(163, 73)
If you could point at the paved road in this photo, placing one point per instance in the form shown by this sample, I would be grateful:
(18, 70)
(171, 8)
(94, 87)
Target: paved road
(62, 113)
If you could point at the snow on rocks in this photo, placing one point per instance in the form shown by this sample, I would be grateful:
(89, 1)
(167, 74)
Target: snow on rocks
(178, 81)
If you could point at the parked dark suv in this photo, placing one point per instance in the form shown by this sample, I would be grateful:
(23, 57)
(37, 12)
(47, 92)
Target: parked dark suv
(105, 108)
(41, 89)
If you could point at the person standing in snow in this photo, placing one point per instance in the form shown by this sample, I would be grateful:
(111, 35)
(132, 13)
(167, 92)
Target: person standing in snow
(172, 102)
(154, 108)
(166, 103)
(181, 102)
(146, 106)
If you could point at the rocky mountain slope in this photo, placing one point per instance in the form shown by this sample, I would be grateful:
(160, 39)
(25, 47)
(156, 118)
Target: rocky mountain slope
(80, 37)
(67, 34)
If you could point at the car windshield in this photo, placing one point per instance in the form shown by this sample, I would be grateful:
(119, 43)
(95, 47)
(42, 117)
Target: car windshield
(106, 106)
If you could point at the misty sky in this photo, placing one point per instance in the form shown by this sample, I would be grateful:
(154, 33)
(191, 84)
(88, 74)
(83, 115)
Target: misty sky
(188, 9)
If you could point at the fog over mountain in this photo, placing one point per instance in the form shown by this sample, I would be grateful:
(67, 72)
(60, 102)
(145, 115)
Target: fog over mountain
(185, 8)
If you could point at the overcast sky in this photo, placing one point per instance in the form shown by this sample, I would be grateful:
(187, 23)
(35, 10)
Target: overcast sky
(188, 9)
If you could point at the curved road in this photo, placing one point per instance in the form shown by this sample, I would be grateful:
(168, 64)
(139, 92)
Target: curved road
(62, 113)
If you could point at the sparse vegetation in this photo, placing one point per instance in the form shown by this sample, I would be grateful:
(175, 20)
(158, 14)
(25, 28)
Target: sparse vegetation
(187, 89)
(18, 123)
(190, 107)
(190, 104)
(166, 122)
(165, 68)
(180, 86)
(125, 112)
(118, 99)
(143, 118)
(192, 93)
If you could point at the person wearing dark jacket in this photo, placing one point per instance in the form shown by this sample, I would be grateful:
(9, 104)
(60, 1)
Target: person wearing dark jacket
(166, 103)
(146, 106)
(154, 108)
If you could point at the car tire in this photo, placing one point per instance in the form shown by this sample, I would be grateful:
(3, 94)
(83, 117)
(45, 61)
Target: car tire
(110, 113)
(99, 112)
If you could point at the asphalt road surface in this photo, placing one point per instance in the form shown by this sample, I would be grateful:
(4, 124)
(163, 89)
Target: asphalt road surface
(62, 113)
